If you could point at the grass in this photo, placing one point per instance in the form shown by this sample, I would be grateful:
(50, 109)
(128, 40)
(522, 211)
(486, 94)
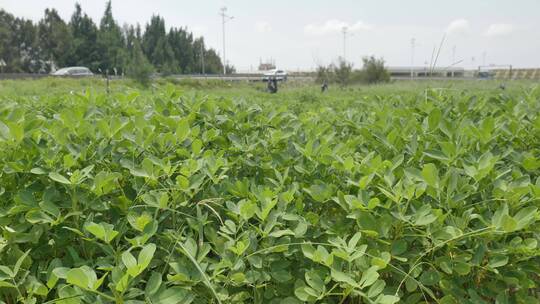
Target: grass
(55, 86)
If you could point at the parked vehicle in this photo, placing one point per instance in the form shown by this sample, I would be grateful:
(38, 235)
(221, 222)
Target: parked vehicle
(73, 71)
(279, 75)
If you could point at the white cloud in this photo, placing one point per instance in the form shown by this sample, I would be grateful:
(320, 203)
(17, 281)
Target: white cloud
(334, 26)
(499, 29)
(197, 30)
(458, 26)
(263, 27)
(360, 26)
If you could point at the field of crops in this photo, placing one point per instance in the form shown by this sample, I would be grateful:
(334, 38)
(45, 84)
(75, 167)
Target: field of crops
(173, 195)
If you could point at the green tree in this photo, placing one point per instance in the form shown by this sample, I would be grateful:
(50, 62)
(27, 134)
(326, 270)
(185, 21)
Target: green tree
(5, 37)
(110, 43)
(212, 62)
(182, 44)
(139, 68)
(18, 44)
(374, 70)
(230, 69)
(25, 42)
(154, 32)
(54, 39)
(343, 72)
(84, 50)
(325, 73)
(51, 44)
(130, 37)
(163, 56)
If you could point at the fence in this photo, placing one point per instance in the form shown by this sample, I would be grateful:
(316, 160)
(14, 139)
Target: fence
(532, 74)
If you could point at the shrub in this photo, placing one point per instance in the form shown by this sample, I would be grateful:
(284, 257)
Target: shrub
(230, 69)
(325, 73)
(374, 70)
(139, 69)
(343, 72)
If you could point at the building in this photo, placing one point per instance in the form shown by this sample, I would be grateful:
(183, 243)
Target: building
(267, 66)
(425, 71)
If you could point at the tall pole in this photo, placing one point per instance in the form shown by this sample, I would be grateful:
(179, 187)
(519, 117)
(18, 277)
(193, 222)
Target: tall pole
(224, 19)
(453, 59)
(223, 10)
(202, 56)
(344, 31)
(413, 44)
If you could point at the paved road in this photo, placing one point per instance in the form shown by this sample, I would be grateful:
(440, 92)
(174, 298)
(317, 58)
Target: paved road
(238, 77)
(232, 77)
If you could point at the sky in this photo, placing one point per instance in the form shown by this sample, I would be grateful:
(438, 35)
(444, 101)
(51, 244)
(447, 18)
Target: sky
(302, 34)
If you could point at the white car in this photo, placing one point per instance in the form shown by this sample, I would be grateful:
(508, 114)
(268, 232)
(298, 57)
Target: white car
(73, 71)
(279, 75)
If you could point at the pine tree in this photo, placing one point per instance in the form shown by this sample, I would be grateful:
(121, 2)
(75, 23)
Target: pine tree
(212, 62)
(111, 43)
(154, 32)
(138, 67)
(54, 39)
(163, 57)
(85, 50)
(29, 47)
(181, 42)
(18, 44)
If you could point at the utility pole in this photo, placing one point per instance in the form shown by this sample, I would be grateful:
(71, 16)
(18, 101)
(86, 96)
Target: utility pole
(413, 44)
(453, 59)
(345, 31)
(202, 56)
(224, 19)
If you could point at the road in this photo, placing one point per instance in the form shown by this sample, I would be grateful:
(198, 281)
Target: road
(237, 77)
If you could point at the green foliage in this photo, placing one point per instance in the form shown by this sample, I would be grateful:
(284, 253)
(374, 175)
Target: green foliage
(324, 73)
(111, 44)
(84, 48)
(343, 72)
(374, 70)
(54, 39)
(427, 196)
(139, 68)
(19, 45)
(340, 73)
(52, 44)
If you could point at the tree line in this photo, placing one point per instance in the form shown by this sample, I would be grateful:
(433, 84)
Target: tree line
(52, 43)
(343, 73)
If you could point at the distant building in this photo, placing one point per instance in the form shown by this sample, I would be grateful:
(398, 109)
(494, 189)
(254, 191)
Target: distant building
(267, 66)
(402, 72)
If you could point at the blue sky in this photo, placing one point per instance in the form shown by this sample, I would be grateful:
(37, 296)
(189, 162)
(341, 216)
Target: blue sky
(302, 34)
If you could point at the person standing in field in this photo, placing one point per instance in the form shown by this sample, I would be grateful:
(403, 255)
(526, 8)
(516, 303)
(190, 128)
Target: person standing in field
(270, 86)
(324, 86)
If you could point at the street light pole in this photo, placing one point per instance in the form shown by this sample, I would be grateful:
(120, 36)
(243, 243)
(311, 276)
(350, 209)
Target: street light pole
(344, 31)
(413, 44)
(224, 19)
(453, 59)
(202, 56)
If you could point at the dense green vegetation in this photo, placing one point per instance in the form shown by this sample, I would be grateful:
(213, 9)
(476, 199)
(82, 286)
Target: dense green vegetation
(106, 47)
(202, 193)
(373, 71)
